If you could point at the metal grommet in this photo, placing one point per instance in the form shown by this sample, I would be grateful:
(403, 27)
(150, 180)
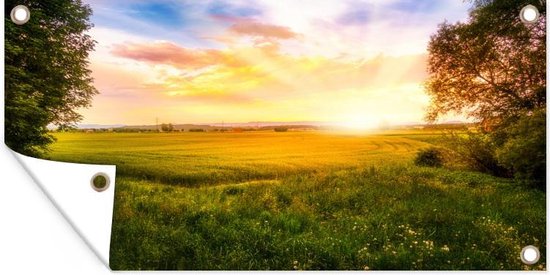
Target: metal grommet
(100, 182)
(529, 14)
(530, 255)
(20, 15)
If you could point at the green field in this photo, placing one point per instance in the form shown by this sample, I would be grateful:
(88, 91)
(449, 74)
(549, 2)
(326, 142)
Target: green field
(304, 200)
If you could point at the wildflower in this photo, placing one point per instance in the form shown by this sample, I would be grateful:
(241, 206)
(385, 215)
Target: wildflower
(445, 248)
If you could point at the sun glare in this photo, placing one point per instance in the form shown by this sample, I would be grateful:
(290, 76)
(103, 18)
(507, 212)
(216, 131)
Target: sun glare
(360, 123)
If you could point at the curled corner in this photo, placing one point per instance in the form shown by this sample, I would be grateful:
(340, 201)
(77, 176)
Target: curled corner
(68, 186)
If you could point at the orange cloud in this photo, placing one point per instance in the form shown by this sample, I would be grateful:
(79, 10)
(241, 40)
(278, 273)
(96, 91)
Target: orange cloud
(167, 53)
(246, 74)
(254, 28)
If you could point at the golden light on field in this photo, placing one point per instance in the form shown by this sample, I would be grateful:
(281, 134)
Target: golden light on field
(360, 123)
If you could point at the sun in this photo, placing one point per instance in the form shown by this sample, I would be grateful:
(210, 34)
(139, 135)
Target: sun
(360, 122)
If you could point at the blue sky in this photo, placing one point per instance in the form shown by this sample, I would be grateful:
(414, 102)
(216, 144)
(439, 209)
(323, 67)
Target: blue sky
(188, 21)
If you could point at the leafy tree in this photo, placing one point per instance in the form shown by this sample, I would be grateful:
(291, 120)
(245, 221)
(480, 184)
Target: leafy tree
(46, 72)
(167, 127)
(492, 68)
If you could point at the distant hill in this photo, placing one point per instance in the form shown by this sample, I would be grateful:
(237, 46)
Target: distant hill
(99, 126)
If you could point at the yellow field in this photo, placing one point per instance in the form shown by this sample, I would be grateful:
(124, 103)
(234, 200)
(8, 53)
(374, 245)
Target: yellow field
(206, 158)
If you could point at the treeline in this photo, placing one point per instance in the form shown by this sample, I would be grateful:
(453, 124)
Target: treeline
(168, 128)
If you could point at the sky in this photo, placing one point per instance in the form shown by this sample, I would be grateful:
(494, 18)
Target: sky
(351, 62)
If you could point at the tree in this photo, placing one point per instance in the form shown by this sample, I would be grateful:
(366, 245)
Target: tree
(167, 127)
(492, 68)
(46, 71)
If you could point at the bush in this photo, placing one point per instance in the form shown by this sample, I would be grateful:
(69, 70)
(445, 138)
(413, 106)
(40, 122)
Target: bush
(524, 150)
(280, 129)
(478, 152)
(432, 157)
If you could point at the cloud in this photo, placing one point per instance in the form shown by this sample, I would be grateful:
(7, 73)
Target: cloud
(162, 52)
(355, 16)
(249, 73)
(254, 28)
(244, 60)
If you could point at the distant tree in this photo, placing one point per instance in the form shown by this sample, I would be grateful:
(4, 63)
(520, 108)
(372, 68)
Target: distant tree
(167, 127)
(492, 68)
(46, 72)
(66, 128)
(280, 129)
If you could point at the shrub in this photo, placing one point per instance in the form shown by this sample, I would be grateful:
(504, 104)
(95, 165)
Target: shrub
(524, 150)
(280, 129)
(196, 130)
(432, 157)
(477, 151)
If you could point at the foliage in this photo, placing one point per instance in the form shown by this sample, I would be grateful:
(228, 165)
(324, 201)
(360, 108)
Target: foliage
(432, 157)
(524, 149)
(280, 129)
(491, 68)
(477, 150)
(46, 72)
(167, 127)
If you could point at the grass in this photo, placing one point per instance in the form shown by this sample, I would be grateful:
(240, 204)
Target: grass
(304, 200)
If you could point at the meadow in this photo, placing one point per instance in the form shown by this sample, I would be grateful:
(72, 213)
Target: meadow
(305, 200)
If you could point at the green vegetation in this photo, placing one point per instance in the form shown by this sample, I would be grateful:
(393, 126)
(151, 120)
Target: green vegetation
(46, 71)
(492, 68)
(280, 129)
(431, 157)
(305, 200)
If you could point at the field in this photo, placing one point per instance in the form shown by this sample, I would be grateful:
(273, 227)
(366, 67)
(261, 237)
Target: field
(304, 200)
